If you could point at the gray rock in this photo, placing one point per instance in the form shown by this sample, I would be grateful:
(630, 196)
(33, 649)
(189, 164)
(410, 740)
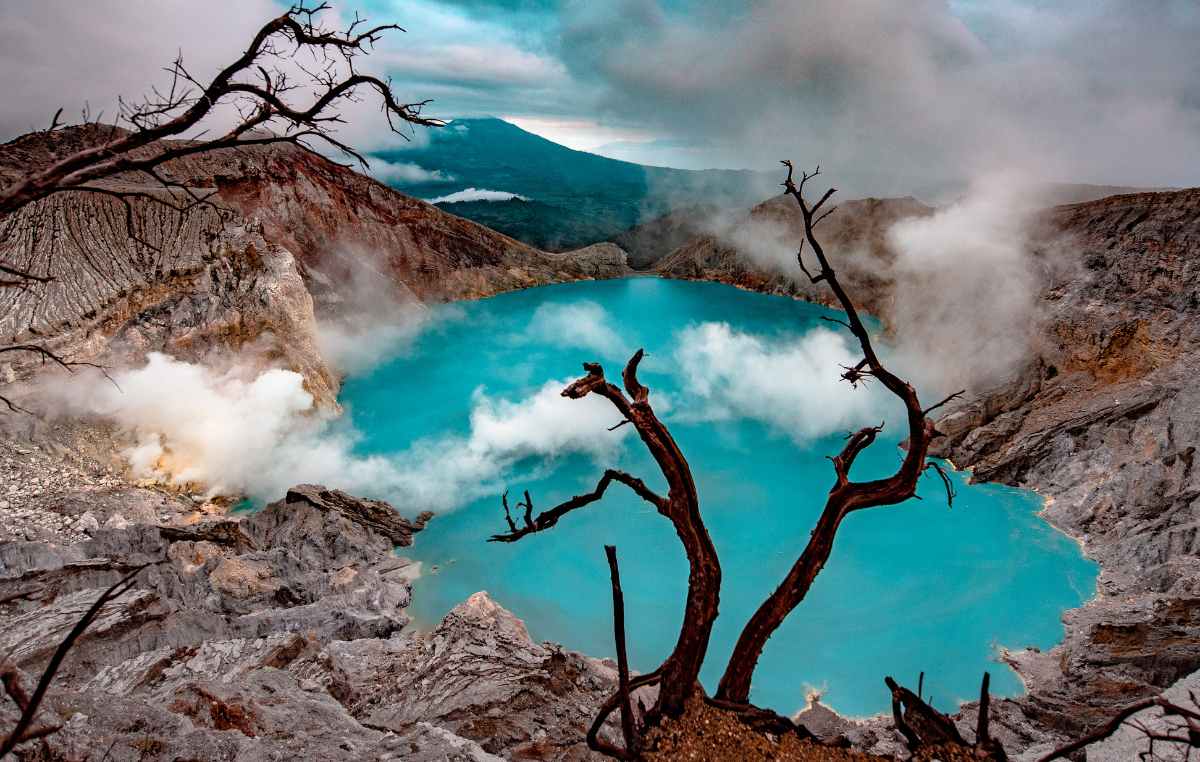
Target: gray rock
(283, 635)
(1105, 421)
(87, 523)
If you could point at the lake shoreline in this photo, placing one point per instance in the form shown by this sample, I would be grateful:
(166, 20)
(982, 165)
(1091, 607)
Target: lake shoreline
(430, 614)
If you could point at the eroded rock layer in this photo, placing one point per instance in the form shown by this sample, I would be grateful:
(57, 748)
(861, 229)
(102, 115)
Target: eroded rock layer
(283, 240)
(281, 634)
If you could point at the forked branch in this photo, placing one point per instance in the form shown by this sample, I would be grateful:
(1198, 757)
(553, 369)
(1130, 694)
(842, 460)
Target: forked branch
(846, 495)
(548, 518)
(679, 673)
(1190, 718)
(272, 106)
(46, 357)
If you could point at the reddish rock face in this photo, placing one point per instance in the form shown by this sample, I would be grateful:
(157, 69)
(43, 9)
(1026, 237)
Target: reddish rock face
(283, 249)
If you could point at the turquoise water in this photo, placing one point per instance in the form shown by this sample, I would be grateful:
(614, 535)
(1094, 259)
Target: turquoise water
(916, 587)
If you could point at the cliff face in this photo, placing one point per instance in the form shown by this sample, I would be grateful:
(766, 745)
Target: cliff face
(1105, 422)
(278, 249)
(322, 211)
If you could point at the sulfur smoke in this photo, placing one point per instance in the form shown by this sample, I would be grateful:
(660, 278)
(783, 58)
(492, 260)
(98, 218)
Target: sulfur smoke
(243, 431)
(966, 291)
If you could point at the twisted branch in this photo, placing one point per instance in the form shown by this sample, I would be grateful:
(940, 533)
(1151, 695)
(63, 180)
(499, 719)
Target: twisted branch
(681, 669)
(257, 89)
(846, 495)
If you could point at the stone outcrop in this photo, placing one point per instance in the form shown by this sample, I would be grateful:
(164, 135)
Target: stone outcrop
(280, 634)
(376, 515)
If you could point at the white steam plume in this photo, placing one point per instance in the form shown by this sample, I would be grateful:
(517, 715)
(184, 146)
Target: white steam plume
(793, 384)
(965, 305)
(404, 172)
(241, 432)
(476, 194)
(584, 324)
(373, 317)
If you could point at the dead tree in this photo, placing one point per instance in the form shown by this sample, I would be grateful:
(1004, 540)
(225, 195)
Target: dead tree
(846, 495)
(627, 719)
(287, 87)
(262, 88)
(678, 676)
(29, 704)
(923, 726)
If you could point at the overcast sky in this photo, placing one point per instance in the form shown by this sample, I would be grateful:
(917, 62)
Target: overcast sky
(919, 91)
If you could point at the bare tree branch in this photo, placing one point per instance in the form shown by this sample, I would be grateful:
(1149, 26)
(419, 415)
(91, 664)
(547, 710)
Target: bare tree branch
(627, 721)
(29, 705)
(548, 518)
(925, 725)
(256, 86)
(49, 356)
(945, 477)
(681, 669)
(846, 495)
(257, 89)
(1189, 717)
(954, 396)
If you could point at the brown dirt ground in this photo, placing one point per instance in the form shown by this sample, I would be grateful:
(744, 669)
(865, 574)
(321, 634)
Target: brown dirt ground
(705, 733)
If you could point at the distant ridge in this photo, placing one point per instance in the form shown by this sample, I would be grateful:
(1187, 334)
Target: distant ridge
(573, 198)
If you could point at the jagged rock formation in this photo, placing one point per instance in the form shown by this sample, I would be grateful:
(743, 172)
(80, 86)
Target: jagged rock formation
(376, 515)
(757, 250)
(1105, 422)
(282, 634)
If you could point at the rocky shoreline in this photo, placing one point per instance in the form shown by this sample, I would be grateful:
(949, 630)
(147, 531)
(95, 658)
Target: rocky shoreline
(1104, 422)
(276, 634)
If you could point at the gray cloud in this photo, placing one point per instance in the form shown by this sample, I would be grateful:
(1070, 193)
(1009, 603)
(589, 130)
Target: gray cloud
(889, 97)
(906, 93)
(59, 53)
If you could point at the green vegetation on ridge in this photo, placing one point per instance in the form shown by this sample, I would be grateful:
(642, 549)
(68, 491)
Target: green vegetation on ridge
(574, 198)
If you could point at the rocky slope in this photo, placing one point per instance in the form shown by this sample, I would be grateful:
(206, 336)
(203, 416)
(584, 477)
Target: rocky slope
(283, 633)
(276, 635)
(1105, 422)
(284, 226)
(650, 241)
